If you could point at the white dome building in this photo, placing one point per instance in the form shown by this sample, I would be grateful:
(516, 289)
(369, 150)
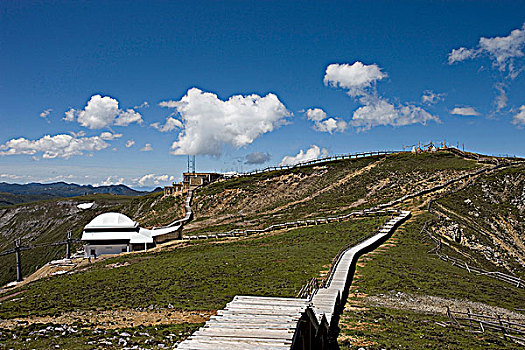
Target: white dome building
(115, 233)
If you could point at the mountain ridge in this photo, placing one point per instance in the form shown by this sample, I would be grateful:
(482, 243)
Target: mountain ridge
(13, 193)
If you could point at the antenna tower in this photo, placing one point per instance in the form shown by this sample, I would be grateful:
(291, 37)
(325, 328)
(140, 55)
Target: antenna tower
(191, 164)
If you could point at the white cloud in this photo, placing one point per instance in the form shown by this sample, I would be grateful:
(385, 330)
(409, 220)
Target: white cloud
(377, 111)
(519, 118)
(111, 180)
(461, 54)
(147, 147)
(358, 79)
(144, 104)
(467, 111)
(257, 158)
(127, 117)
(152, 180)
(45, 113)
(77, 134)
(171, 124)
(13, 177)
(323, 123)
(168, 104)
(314, 152)
(502, 99)
(130, 143)
(430, 98)
(101, 112)
(70, 115)
(109, 136)
(355, 78)
(209, 124)
(502, 51)
(58, 146)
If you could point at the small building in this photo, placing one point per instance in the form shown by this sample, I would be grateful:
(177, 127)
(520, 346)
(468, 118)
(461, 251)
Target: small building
(190, 181)
(115, 233)
(174, 189)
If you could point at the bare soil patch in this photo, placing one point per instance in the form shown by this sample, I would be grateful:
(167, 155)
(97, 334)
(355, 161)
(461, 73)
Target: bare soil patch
(114, 319)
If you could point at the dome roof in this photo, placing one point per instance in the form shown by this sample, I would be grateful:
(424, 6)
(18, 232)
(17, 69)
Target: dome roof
(111, 220)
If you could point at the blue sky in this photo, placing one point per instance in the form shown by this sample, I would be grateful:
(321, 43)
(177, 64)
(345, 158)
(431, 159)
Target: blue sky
(80, 72)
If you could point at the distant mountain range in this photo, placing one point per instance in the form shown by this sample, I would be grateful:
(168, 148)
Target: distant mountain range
(17, 193)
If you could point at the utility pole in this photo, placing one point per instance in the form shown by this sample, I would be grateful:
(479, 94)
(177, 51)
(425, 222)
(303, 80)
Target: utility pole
(68, 245)
(18, 261)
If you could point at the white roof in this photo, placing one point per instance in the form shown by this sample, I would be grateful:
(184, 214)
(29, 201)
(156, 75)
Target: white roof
(85, 206)
(111, 220)
(108, 223)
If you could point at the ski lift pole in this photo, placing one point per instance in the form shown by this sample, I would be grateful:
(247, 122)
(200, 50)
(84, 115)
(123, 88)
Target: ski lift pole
(18, 261)
(68, 245)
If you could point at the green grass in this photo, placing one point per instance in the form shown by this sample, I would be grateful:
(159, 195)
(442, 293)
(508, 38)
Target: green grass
(408, 268)
(202, 276)
(497, 200)
(49, 221)
(395, 175)
(401, 329)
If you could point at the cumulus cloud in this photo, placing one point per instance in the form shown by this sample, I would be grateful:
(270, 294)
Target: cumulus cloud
(170, 125)
(430, 98)
(467, 111)
(147, 147)
(111, 180)
(109, 136)
(144, 104)
(168, 104)
(257, 158)
(519, 118)
(358, 80)
(153, 179)
(101, 112)
(58, 146)
(355, 78)
(503, 51)
(377, 111)
(323, 123)
(209, 124)
(461, 54)
(314, 152)
(130, 143)
(45, 113)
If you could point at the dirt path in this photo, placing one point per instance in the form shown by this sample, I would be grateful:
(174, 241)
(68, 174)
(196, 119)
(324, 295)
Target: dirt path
(112, 319)
(328, 188)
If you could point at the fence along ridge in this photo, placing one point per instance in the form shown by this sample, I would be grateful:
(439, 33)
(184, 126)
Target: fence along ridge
(512, 330)
(189, 212)
(316, 221)
(516, 281)
(317, 161)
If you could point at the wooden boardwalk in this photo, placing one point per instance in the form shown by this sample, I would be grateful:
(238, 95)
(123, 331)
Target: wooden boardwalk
(329, 301)
(250, 322)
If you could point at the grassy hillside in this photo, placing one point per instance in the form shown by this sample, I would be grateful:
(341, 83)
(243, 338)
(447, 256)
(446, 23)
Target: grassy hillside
(400, 290)
(49, 221)
(323, 189)
(488, 218)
